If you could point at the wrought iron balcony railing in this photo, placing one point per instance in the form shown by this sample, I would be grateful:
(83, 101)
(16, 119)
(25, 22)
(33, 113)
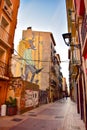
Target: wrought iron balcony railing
(53, 83)
(84, 29)
(3, 69)
(8, 10)
(5, 36)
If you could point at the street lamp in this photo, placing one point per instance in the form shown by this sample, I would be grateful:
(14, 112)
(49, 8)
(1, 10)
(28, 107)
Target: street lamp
(68, 40)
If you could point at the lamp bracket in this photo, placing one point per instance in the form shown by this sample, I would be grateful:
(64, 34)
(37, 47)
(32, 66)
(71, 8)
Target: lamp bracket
(76, 45)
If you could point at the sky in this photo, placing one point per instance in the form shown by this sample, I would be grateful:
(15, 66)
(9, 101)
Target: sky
(47, 16)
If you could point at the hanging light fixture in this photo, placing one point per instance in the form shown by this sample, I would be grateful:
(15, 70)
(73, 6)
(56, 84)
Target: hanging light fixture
(68, 40)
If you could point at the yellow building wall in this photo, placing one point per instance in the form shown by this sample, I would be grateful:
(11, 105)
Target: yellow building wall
(36, 55)
(41, 56)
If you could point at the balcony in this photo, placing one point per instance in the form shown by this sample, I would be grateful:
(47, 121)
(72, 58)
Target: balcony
(3, 70)
(74, 71)
(60, 79)
(52, 58)
(7, 10)
(53, 83)
(75, 62)
(53, 69)
(5, 37)
(84, 29)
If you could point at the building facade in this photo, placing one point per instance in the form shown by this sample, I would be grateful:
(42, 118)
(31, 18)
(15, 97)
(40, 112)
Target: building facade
(77, 26)
(43, 56)
(8, 21)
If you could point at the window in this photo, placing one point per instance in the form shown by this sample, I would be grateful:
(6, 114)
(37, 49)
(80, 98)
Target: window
(76, 56)
(8, 2)
(8, 8)
(2, 54)
(4, 22)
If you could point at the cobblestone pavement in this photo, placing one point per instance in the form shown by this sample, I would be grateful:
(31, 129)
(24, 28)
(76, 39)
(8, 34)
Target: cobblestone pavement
(60, 115)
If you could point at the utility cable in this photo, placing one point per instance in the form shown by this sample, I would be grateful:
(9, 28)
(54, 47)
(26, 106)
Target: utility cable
(21, 58)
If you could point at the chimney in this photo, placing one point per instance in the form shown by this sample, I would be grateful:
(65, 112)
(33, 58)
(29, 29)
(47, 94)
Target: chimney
(29, 28)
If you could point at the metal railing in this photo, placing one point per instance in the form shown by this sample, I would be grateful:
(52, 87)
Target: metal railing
(5, 36)
(53, 83)
(8, 10)
(3, 69)
(84, 29)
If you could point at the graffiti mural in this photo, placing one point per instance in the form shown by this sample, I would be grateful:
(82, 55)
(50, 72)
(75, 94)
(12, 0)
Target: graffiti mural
(28, 61)
(31, 98)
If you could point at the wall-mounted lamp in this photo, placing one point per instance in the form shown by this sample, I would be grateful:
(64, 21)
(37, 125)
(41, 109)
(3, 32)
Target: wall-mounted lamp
(68, 39)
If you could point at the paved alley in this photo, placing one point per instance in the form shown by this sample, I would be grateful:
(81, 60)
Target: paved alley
(61, 115)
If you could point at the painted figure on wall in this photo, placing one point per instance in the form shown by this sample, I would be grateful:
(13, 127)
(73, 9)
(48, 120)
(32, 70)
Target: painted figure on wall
(29, 63)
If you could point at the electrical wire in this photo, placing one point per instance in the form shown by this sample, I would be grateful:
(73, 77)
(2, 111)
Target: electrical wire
(21, 58)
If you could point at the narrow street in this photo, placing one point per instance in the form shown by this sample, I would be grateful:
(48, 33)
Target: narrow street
(61, 115)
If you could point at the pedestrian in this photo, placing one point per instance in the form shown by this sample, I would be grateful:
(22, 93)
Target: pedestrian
(63, 95)
(66, 94)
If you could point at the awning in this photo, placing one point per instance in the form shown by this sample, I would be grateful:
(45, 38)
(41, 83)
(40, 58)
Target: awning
(85, 56)
(85, 50)
(80, 7)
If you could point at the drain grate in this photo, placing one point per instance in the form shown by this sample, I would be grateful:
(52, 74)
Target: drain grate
(59, 116)
(23, 115)
(42, 126)
(31, 112)
(32, 115)
(76, 127)
(16, 119)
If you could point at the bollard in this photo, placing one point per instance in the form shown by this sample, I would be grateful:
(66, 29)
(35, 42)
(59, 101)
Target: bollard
(3, 110)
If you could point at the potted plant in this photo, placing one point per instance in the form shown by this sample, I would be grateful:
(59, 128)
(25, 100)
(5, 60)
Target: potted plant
(11, 106)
